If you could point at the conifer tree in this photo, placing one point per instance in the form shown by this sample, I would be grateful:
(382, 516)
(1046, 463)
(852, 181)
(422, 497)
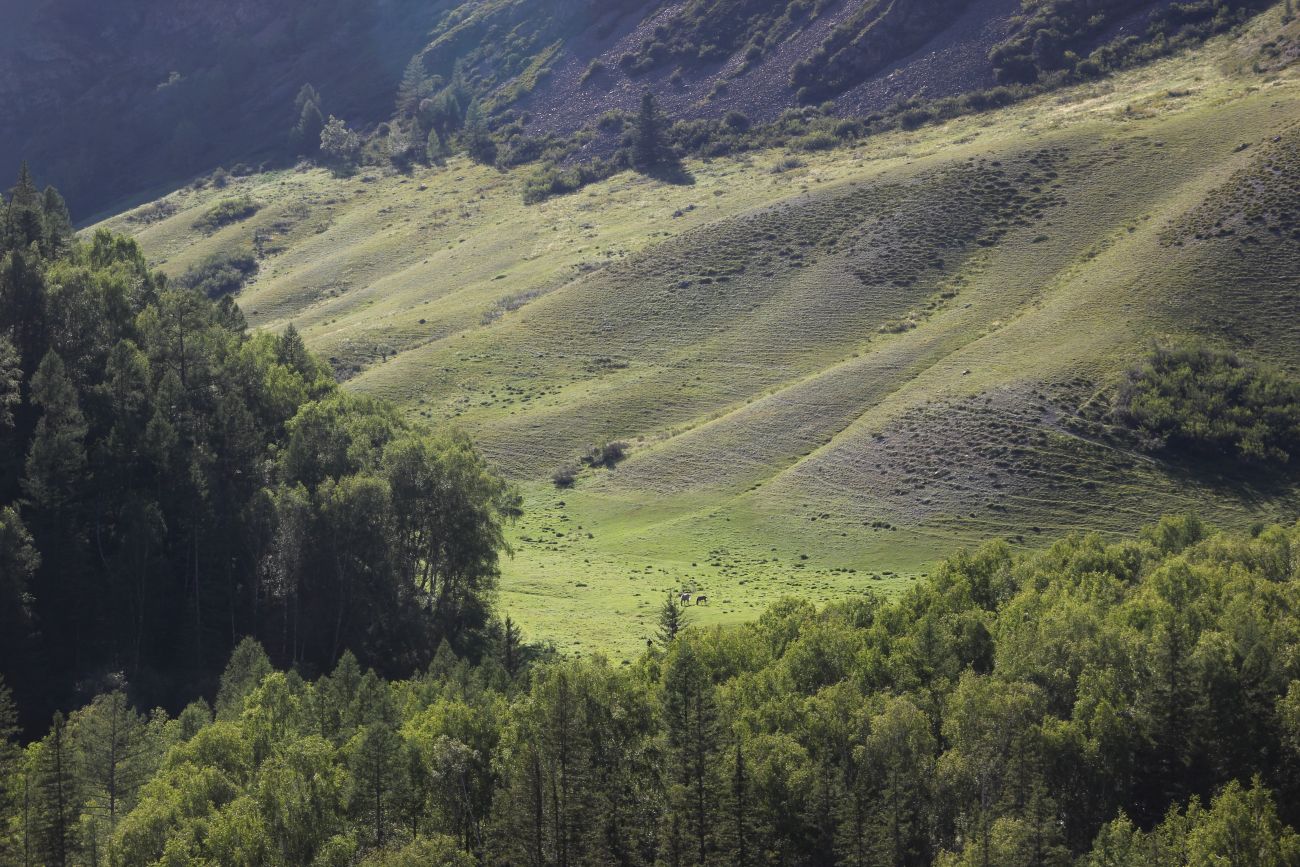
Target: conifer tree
(672, 619)
(414, 87)
(478, 141)
(56, 797)
(57, 228)
(111, 748)
(58, 452)
(10, 384)
(247, 667)
(375, 756)
(511, 641)
(691, 727)
(307, 93)
(306, 133)
(25, 220)
(10, 775)
(648, 143)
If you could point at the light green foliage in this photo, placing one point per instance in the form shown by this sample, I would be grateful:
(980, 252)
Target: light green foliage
(1014, 710)
(340, 145)
(244, 673)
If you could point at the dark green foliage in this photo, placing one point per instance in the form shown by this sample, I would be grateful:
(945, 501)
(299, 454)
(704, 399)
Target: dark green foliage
(672, 619)
(711, 30)
(479, 144)
(221, 273)
(225, 212)
(648, 147)
(871, 37)
(1191, 397)
(304, 137)
(57, 797)
(606, 456)
(415, 87)
(1058, 37)
(170, 483)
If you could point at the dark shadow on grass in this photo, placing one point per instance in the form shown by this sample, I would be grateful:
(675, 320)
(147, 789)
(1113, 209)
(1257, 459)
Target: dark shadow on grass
(670, 172)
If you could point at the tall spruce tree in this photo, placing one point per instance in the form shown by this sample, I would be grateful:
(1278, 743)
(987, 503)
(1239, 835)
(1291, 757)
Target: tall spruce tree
(648, 149)
(672, 619)
(56, 796)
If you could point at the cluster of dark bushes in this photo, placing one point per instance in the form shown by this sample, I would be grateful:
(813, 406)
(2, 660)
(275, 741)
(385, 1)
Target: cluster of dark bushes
(221, 273)
(225, 212)
(1194, 398)
(1056, 40)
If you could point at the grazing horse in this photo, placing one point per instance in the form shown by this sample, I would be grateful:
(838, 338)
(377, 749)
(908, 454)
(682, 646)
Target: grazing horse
(684, 598)
(701, 599)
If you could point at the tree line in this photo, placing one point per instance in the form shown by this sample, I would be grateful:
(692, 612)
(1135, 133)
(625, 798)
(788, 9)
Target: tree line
(170, 483)
(1092, 704)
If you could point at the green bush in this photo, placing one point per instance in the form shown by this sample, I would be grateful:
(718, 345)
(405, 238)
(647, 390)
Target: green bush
(221, 273)
(225, 212)
(1195, 398)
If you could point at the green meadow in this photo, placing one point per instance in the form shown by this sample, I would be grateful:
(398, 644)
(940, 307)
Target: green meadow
(829, 370)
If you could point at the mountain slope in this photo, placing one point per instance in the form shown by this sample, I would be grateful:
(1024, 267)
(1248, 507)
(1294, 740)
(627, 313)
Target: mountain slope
(829, 370)
(114, 104)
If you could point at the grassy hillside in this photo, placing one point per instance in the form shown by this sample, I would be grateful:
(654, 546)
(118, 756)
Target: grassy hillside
(830, 369)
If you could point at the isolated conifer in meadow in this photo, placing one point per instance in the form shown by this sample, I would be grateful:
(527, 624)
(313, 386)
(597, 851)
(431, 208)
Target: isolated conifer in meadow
(672, 619)
(648, 145)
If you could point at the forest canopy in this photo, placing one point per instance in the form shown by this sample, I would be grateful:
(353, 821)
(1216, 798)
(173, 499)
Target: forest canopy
(170, 483)
(1094, 703)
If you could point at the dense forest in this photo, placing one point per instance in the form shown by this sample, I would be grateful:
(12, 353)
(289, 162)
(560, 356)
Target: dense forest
(1130, 703)
(170, 483)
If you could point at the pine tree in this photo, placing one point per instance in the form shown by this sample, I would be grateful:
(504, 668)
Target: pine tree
(57, 228)
(434, 148)
(511, 640)
(417, 140)
(25, 221)
(55, 796)
(672, 619)
(478, 141)
(306, 133)
(11, 374)
(291, 351)
(111, 745)
(740, 806)
(414, 87)
(691, 725)
(58, 452)
(10, 775)
(647, 143)
(307, 93)
(375, 760)
(247, 667)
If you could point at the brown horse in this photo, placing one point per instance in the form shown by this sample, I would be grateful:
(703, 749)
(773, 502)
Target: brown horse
(701, 599)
